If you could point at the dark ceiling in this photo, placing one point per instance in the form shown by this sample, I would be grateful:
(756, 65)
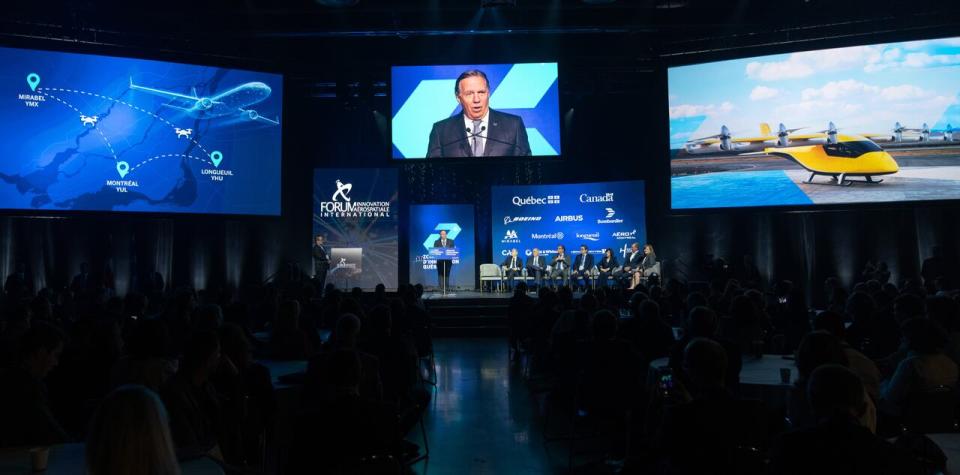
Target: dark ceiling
(284, 30)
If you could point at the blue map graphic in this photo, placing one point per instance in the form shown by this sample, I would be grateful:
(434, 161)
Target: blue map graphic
(97, 133)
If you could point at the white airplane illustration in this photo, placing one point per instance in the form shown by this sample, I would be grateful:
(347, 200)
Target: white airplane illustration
(232, 102)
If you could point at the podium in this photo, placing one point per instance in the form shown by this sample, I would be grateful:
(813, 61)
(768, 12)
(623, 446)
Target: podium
(444, 254)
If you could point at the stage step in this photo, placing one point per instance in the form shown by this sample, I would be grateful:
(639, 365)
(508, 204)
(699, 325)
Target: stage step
(468, 317)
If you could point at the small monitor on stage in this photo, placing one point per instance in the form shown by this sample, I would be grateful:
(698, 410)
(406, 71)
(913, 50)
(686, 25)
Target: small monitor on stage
(476, 111)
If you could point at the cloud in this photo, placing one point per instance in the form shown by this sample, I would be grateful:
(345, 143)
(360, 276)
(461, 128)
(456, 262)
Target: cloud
(851, 88)
(760, 93)
(803, 64)
(694, 110)
(922, 60)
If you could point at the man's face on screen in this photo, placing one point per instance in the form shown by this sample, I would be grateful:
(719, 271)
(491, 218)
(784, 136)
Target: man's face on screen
(474, 97)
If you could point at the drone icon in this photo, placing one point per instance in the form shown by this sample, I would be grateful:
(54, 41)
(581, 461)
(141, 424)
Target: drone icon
(88, 120)
(183, 132)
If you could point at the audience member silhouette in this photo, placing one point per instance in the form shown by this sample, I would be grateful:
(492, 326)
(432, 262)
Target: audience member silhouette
(130, 434)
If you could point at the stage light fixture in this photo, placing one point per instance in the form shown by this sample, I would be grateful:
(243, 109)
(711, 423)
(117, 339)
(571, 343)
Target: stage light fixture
(497, 3)
(338, 3)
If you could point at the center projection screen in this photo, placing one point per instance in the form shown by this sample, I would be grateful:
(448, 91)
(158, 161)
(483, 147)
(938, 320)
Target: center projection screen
(519, 112)
(863, 124)
(99, 133)
(600, 215)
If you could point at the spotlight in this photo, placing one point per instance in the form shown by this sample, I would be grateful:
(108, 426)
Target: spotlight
(497, 3)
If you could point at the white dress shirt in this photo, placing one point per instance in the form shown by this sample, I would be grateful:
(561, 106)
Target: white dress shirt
(484, 126)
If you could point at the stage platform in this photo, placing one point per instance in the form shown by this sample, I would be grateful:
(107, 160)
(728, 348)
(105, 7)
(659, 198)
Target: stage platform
(465, 313)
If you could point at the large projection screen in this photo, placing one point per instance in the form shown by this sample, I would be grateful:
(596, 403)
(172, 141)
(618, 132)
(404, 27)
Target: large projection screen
(518, 109)
(599, 215)
(98, 133)
(863, 124)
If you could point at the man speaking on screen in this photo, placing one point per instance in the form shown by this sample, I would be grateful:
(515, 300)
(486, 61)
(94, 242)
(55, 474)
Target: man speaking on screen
(479, 131)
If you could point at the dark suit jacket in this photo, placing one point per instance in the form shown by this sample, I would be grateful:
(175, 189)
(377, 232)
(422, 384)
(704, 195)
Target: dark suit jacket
(609, 265)
(506, 137)
(566, 261)
(449, 243)
(633, 260)
(537, 261)
(648, 261)
(587, 265)
(506, 262)
(840, 446)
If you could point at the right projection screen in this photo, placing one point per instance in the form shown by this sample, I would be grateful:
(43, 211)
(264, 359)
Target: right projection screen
(863, 124)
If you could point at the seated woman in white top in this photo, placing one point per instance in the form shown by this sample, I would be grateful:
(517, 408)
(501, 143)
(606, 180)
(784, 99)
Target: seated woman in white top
(925, 368)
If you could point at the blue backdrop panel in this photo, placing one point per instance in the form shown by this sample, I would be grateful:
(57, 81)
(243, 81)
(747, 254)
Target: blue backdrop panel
(98, 133)
(357, 208)
(600, 215)
(426, 221)
(423, 95)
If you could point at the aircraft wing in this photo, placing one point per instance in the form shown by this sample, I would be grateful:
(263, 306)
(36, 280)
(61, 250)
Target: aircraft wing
(260, 117)
(162, 93)
(806, 136)
(752, 139)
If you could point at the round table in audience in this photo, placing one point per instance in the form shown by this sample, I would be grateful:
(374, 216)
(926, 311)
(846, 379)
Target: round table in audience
(950, 444)
(69, 459)
(764, 371)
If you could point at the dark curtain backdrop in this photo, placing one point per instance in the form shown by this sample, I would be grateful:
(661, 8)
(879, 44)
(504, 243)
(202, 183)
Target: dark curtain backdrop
(337, 115)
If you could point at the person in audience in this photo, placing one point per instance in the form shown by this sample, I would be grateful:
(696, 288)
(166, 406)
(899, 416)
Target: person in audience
(924, 367)
(945, 311)
(647, 330)
(25, 415)
(703, 323)
(130, 434)
(874, 333)
(832, 322)
(709, 426)
(147, 360)
(191, 400)
(839, 443)
(519, 318)
(934, 266)
(349, 427)
(317, 387)
(287, 340)
(816, 349)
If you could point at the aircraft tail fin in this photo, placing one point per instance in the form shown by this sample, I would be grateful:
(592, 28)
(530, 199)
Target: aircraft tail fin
(764, 129)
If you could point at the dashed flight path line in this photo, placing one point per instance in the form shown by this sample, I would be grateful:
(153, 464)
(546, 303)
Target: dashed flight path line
(119, 101)
(102, 136)
(166, 155)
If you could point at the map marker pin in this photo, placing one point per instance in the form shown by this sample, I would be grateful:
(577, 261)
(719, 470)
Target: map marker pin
(33, 79)
(123, 168)
(216, 157)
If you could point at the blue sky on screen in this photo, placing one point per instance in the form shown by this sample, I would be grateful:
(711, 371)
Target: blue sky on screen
(864, 89)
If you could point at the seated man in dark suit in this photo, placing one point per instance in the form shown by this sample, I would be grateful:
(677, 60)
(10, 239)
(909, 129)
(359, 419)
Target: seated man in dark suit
(537, 267)
(630, 264)
(839, 444)
(707, 434)
(582, 267)
(512, 268)
(479, 131)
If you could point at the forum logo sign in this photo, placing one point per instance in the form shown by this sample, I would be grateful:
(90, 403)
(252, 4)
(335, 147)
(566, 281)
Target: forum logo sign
(341, 206)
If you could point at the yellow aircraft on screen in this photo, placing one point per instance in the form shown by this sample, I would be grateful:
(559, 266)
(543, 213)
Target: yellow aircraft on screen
(840, 157)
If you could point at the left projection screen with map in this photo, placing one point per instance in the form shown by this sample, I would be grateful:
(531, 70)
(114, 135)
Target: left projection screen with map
(97, 133)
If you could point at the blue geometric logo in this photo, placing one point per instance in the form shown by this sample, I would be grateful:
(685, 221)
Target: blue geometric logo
(528, 90)
(453, 230)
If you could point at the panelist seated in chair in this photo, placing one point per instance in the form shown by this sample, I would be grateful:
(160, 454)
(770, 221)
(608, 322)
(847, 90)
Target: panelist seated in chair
(582, 267)
(512, 268)
(630, 263)
(608, 266)
(647, 263)
(537, 267)
(561, 266)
